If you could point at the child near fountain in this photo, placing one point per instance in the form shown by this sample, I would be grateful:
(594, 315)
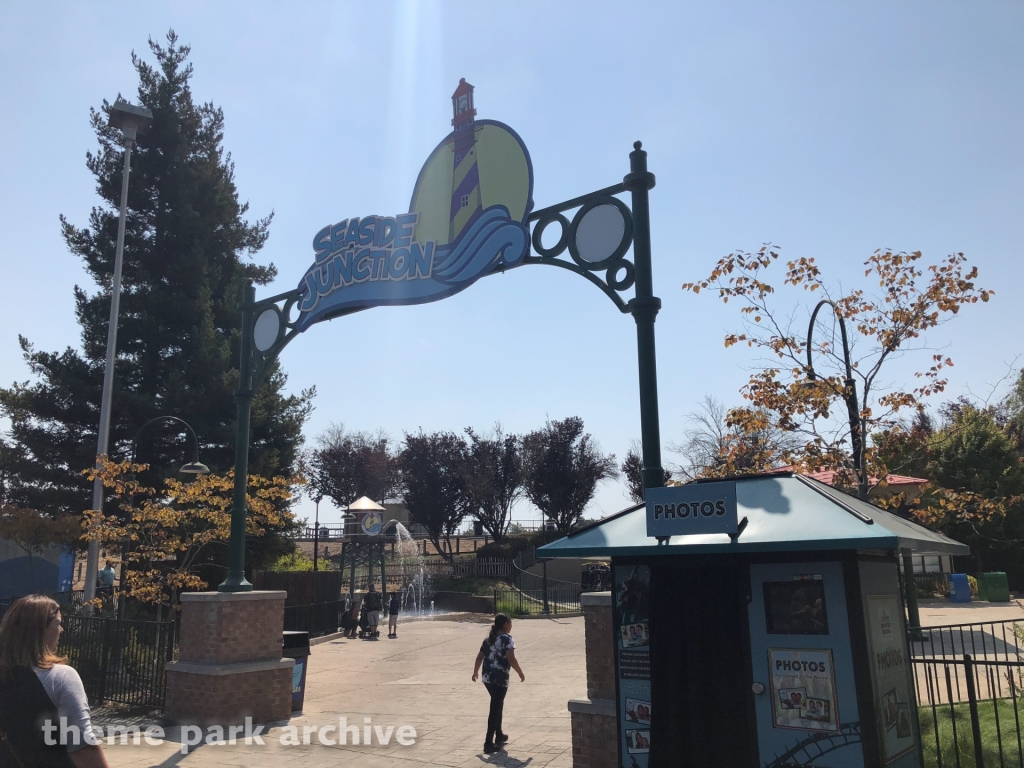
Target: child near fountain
(393, 607)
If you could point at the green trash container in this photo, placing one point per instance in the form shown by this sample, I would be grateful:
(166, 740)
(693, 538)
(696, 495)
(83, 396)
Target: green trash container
(994, 587)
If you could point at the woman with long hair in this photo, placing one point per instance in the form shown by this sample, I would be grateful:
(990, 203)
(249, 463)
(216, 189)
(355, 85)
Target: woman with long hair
(497, 654)
(42, 699)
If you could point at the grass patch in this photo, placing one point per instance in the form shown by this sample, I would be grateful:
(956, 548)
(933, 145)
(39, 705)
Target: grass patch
(991, 736)
(514, 603)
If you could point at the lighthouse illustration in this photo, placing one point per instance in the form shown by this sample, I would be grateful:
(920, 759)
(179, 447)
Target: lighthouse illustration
(456, 231)
(466, 206)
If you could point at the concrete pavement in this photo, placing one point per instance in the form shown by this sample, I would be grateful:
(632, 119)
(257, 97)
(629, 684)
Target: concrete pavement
(422, 679)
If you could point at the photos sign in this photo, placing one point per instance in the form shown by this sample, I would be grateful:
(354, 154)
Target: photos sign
(696, 508)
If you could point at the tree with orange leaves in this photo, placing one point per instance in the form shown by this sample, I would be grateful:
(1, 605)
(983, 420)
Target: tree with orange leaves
(167, 532)
(786, 393)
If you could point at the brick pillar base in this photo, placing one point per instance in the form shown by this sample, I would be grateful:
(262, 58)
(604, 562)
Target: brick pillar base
(595, 741)
(229, 663)
(594, 738)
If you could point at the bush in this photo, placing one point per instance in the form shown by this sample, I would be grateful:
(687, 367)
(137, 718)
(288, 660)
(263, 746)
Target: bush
(515, 543)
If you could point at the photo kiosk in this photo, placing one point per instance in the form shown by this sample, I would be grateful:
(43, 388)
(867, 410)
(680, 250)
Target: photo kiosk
(759, 621)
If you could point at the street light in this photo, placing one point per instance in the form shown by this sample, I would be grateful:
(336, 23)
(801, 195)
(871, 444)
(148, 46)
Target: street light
(132, 121)
(194, 467)
(849, 396)
(316, 536)
(857, 439)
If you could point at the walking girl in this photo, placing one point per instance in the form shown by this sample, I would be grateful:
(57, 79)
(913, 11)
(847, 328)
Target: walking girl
(498, 655)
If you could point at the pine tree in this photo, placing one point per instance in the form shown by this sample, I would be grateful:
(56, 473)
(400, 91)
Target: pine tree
(188, 253)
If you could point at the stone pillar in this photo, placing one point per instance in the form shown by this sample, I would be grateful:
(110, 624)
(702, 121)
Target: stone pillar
(229, 663)
(594, 721)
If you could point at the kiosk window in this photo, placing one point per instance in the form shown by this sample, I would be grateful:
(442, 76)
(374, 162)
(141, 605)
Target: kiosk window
(795, 607)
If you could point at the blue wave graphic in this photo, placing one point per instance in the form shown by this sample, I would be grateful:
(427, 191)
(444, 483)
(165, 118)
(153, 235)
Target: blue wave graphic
(493, 239)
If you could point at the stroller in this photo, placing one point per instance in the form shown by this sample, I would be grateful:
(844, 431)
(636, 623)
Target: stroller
(364, 624)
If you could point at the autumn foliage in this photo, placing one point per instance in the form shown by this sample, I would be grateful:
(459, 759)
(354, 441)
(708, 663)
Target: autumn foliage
(165, 532)
(883, 322)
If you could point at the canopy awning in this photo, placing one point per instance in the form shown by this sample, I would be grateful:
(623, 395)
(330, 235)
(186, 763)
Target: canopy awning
(365, 504)
(785, 513)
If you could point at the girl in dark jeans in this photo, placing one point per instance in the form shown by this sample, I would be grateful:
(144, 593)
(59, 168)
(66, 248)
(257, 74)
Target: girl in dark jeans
(497, 654)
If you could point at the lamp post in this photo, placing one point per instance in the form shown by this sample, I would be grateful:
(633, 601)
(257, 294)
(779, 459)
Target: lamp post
(132, 121)
(857, 441)
(849, 396)
(194, 467)
(316, 538)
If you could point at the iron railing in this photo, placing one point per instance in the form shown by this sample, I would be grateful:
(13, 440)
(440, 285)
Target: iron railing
(983, 640)
(968, 680)
(318, 619)
(119, 661)
(557, 600)
(70, 602)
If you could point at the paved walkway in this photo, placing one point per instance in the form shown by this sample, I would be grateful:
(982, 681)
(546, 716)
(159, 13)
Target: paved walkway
(421, 679)
(937, 613)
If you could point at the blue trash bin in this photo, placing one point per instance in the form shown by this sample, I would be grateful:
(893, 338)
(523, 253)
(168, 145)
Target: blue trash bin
(959, 588)
(296, 646)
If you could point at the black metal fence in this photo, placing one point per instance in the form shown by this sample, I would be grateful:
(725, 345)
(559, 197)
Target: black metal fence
(70, 602)
(318, 619)
(119, 661)
(968, 680)
(557, 600)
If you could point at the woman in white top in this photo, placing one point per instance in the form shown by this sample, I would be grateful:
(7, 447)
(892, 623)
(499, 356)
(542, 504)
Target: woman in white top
(37, 690)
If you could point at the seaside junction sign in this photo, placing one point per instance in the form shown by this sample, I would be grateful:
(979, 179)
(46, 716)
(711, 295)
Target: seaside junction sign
(471, 215)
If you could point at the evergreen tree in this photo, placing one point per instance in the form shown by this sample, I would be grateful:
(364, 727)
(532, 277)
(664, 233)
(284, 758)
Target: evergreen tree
(188, 254)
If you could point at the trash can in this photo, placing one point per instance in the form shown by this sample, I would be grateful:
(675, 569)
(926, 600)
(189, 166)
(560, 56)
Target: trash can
(993, 587)
(959, 588)
(296, 646)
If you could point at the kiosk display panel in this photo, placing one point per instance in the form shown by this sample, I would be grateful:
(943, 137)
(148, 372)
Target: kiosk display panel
(889, 662)
(631, 601)
(805, 695)
(796, 607)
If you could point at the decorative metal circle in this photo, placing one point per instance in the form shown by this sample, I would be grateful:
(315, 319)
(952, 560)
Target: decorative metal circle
(600, 233)
(267, 329)
(627, 280)
(538, 233)
(291, 309)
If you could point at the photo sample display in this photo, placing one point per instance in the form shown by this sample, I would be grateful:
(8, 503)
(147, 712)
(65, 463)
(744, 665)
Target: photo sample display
(803, 689)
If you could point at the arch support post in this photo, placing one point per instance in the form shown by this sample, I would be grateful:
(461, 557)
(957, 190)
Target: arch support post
(236, 581)
(644, 308)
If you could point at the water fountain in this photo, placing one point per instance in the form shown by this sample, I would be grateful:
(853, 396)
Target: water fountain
(408, 561)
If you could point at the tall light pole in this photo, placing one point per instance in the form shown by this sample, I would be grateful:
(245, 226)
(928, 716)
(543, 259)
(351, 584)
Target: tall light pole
(132, 121)
(849, 396)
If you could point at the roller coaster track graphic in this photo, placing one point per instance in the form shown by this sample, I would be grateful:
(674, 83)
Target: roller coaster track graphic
(817, 745)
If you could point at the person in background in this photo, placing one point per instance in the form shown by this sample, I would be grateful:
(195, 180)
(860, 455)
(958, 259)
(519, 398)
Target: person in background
(393, 607)
(37, 689)
(353, 618)
(105, 583)
(374, 608)
(497, 654)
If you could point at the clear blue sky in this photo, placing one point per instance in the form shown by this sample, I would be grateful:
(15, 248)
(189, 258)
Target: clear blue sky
(829, 129)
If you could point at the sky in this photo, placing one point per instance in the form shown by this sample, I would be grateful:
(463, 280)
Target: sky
(830, 130)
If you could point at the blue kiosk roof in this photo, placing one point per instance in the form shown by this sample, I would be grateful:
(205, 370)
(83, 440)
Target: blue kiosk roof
(784, 512)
